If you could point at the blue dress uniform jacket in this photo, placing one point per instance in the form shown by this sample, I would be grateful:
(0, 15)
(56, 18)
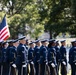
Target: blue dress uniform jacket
(36, 58)
(1, 55)
(27, 47)
(52, 60)
(71, 55)
(31, 55)
(27, 67)
(13, 54)
(31, 59)
(57, 58)
(63, 54)
(43, 54)
(21, 59)
(4, 55)
(57, 53)
(52, 55)
(21, 55)
(8, 53)
(72, 60)
(43, 59)
(63, 60)
(36, 54)
(11, 58)
(26, 52)
(8, 58)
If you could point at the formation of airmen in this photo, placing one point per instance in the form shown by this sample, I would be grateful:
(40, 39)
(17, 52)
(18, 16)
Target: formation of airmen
(39, 57)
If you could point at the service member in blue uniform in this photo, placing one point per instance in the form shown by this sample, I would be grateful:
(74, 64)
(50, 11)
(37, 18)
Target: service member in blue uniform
(43, 57)
(72, 58)
(63, 58)
(13, 55)
(21, 56)
(57, 56)
(31, 58)
(10, 45)
(27, 48)
(71, 51)
(4, 59)
(52, 57)
(37, 55)
(1, 47)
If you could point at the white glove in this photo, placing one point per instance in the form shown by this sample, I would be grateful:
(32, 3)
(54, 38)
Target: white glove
(24, 65)
(75, 63)
(46, 63)
(14, 65)
(64, 62)
(52, 64)
(32, 63)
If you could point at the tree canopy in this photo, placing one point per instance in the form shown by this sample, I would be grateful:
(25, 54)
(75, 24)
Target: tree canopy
(36, 16)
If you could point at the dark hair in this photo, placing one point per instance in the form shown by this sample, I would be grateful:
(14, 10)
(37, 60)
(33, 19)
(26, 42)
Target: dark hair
(4, 44)
(10, 44)
(50, 44)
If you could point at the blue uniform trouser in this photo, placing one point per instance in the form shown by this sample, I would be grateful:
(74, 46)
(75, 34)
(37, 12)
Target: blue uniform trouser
(32, 69)
(63, 69)
(73, 69)
(5, 69)
(42, 68)
(52, 70)
(21, 70)
(57, 67)
(13, 70)
(37, 68)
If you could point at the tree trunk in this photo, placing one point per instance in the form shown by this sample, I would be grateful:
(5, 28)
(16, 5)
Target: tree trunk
(36, 38)
(51, 35)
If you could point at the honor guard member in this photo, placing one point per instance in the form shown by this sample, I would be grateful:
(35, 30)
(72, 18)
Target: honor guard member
(1, 46)
(31, 58)
(37, 56)
(72, 58)
(4, 59)
(63, 58)
(21, 56)
(10, 45)
(27, 48)
(43, 57)
(57, 56)
(52, 57)
(13, 55)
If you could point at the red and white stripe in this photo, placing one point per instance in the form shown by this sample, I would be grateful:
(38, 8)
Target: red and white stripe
(4, 33)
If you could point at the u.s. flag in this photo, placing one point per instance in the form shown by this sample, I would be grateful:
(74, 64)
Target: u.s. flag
(4, 30)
